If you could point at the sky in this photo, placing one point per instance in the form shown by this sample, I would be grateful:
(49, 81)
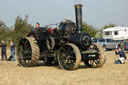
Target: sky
(95, 12)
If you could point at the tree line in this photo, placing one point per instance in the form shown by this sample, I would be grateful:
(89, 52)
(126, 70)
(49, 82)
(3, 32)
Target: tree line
(22, 28)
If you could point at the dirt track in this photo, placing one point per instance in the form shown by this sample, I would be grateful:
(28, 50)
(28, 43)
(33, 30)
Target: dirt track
(109, 74)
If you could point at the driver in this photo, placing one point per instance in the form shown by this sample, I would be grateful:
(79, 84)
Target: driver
(37, 26)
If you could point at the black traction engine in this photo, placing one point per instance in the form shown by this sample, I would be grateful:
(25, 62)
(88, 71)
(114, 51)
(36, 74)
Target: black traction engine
(65, 45)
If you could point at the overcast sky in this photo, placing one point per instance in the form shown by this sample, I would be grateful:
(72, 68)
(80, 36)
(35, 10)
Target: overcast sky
(95, 12)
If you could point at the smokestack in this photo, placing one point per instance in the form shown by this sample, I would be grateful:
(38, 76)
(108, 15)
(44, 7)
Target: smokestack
(78, 13)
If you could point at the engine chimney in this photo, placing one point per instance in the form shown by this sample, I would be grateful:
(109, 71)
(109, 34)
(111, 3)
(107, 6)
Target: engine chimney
(78, 13)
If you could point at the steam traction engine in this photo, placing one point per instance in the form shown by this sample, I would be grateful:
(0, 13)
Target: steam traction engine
(65, 45)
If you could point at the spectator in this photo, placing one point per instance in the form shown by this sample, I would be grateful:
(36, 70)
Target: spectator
(12, 48)
(3, 50)
(122, 45)
(122, 58)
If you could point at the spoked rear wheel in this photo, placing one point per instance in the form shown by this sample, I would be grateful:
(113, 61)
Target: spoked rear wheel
(69, 57)
(101, 57)
(28, 52)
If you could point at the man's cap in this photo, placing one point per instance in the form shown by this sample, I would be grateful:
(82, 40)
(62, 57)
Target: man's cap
(38, 23)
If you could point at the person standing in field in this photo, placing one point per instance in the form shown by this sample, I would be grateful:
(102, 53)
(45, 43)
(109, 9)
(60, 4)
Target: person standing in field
(122, 45)
(3, 50)
(12, 48)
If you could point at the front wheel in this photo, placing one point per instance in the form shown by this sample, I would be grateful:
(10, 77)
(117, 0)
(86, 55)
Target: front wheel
(101, 57)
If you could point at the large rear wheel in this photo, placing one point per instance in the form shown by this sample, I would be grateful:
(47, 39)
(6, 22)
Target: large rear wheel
(69, 57)
(28, 52)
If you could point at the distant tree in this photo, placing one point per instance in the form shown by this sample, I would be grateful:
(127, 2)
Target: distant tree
(1, 23)
(108, 26)
(21, 28)
(99, 34)
(89, 29)
(4, 31)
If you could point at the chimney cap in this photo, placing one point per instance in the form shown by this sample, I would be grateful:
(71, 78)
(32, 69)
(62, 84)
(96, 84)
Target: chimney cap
(78, 5)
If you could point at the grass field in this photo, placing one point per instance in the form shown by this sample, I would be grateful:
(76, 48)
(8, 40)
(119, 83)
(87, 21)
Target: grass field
(109, 74)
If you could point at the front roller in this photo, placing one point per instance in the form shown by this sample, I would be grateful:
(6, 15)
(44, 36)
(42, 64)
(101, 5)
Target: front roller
(28, 52)
(100, 54)
(69, 57)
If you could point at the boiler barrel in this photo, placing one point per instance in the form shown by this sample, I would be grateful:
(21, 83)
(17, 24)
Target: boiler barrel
(82, 40)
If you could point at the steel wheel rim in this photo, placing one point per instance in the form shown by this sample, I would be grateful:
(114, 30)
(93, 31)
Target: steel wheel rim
(24, 53)
(69, 57)
(99, 62)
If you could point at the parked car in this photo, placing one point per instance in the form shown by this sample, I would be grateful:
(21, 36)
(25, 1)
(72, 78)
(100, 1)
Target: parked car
(107, 43)
(94, 40)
